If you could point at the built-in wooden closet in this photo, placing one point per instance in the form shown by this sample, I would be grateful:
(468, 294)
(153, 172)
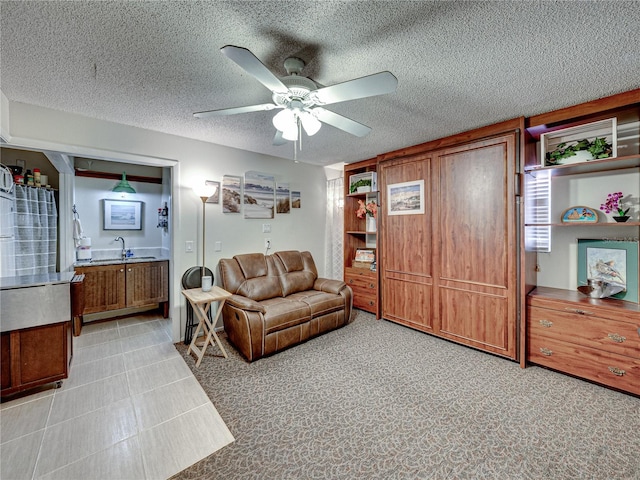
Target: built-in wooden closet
(452, 271)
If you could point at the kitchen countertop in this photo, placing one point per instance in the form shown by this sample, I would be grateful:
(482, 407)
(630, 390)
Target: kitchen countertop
(118, 261)
(35, 300)
(35, 280)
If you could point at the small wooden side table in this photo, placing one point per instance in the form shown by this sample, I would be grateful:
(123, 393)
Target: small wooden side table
(201, 303)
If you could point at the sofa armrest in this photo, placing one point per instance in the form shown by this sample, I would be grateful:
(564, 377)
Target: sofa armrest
(245, 303)
(329, 285)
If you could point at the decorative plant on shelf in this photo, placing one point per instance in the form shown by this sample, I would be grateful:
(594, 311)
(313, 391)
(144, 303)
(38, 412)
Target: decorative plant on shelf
(367, 210)
(363, 182)
(598, 148)
(613, 203)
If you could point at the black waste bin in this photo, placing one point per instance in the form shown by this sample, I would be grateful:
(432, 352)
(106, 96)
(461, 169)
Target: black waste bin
(192, 278)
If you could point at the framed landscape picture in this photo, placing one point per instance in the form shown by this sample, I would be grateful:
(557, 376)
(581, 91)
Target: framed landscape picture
(612, 261)
(259, 195)
(231, 194)
(122, 215)
(406, 198)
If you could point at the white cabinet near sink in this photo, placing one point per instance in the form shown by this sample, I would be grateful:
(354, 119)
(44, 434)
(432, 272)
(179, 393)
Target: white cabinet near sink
(125, 285)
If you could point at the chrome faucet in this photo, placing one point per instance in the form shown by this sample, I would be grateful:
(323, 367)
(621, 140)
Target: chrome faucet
(124, 250)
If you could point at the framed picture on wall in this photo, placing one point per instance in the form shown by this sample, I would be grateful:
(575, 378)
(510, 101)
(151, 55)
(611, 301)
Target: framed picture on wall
(215, 198)
(283, 198)
(406, 198)
(122, 215)
(295, 199)
(231, 194)
(612, 261)
(259, 195)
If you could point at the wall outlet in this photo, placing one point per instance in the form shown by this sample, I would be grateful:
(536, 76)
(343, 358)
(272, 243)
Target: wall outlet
(267, 243)
(188, 246)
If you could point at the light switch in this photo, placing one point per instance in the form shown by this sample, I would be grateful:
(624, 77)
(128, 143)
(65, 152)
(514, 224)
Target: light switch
(266, 228)
(188, 246)
(218, 247)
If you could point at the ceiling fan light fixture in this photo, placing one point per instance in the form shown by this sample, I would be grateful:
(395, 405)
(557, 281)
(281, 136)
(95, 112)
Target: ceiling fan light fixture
(284, 120)
(310, 123)
(290, 133)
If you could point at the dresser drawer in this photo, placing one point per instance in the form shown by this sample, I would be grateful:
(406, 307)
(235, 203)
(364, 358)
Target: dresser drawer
(365, 302)
(622, 338)
(600, 366)
(362, 282)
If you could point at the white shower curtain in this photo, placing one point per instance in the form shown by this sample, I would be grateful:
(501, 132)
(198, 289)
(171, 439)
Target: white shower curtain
(36, 224)
(334, 229)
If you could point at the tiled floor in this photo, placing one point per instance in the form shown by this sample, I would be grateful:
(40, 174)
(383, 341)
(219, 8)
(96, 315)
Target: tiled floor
(130, 409)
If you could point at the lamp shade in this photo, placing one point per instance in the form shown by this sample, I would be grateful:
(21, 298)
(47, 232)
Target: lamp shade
(123, 185)
(284, 120)
(310, 123)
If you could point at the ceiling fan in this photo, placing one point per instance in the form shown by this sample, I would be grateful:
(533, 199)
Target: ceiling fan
(300, 100)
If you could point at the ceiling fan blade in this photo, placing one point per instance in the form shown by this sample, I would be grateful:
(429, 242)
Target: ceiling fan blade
(235, 110)
(376, 84)
(278, 139)
(343, 123)
(253, 66)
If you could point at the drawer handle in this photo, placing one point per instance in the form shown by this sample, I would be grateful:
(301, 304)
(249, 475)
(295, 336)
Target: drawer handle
(351, 280)
(616, 338)
(546, 351)
(371, 285)
(617, 371)
(546, 323)
(578, 311)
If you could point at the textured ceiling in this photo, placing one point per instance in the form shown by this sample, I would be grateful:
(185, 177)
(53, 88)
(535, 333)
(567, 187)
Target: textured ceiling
(460, 65)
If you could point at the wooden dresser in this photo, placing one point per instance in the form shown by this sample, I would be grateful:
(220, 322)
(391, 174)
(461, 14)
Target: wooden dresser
(598, 340)
(364, 284)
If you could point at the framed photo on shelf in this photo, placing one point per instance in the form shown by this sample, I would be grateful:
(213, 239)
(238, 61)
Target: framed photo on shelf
(406, 198)
(579, 214)
(613, 261)
(122, 215)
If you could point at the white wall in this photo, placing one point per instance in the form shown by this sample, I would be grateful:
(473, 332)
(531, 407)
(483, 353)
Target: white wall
(90, 194)
(191, 163)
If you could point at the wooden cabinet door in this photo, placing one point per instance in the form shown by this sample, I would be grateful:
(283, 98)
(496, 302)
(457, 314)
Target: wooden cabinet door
(147, 283)
(104, 288)
(476, 253)
(407, 248)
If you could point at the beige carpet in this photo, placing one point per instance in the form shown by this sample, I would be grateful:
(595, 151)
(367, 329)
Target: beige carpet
(375, 400)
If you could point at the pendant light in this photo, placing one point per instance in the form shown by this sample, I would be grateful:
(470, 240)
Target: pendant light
(123, 185)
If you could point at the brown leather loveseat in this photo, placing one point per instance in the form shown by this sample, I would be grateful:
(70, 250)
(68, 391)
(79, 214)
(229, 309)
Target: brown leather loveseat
(279, 301)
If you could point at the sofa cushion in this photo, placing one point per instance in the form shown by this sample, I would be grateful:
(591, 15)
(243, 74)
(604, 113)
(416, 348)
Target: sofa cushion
(260, 279)
(295, 275)
(260, 288)
(320, 303)
(281, 313)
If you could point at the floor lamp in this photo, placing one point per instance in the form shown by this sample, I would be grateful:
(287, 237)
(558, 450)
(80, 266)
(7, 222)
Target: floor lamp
(204, 192)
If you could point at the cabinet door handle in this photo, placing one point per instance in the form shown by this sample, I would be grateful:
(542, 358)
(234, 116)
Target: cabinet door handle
(546, 323)
(616, 338)
(351, 280)
(617, 371)
(128, 270)
(122, 269)
(371, 285)
(546, 351)
(371, 303)
(578, 311)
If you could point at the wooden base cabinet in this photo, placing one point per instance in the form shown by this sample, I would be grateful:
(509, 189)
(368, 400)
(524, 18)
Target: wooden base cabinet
(364, 284)
(113, 287)
(598, 340)
(35, 356)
